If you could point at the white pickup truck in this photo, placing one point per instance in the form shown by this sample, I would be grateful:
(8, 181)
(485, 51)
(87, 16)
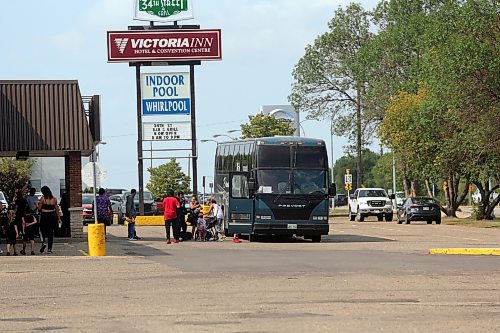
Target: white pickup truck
(370, 202)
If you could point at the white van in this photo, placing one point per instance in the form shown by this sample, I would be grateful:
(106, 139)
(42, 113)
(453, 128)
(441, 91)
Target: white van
(3, 200)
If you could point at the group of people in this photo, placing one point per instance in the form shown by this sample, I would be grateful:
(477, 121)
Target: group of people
(30, 217)
(203, 226)
(208, 226)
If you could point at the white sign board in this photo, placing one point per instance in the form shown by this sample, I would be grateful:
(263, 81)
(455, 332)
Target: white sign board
(166, 131)
(165, 94)
(163, 10)
(348, 179)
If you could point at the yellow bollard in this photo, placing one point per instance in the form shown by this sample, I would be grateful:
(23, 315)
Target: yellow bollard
(97, 240)
(205, 209)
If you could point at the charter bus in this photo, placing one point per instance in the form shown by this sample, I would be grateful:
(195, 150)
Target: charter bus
(274, 186)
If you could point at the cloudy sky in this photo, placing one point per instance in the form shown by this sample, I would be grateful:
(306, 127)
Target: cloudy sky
(262, 40)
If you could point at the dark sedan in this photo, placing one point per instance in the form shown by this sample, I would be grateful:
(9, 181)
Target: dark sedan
(419, 209)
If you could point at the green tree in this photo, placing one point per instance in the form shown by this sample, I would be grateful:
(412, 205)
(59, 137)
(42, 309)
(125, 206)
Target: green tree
(330, 80)
(462, 75)
(260, 126)
(394, 63)
(349, 162)
(14, 176)
(165, 176)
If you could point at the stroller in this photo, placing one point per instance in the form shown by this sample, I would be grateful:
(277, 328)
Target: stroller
(211, 232)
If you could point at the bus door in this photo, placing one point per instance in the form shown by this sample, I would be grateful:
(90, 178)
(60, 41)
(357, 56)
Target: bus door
(241, 204)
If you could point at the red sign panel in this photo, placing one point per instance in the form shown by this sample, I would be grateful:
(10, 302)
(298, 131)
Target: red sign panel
(164, 45)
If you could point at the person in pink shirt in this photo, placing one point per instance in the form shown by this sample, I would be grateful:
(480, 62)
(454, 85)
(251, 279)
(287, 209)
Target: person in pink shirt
(170, 216)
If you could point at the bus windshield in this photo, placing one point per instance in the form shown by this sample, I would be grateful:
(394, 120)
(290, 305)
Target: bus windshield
(273, 156)
(292, 181)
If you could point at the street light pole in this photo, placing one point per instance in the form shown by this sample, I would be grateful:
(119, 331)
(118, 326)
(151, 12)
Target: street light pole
(225, 135)
(331, 149)
(394, 178)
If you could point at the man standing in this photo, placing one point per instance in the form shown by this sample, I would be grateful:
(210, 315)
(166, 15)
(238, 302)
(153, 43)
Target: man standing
(170, 215)
(131, 214)
(181, 212)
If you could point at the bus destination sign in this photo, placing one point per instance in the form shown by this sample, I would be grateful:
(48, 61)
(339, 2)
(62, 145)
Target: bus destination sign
(164, 45)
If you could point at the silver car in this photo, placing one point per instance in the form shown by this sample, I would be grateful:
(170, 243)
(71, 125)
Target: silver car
(3, 200)
(149, 204)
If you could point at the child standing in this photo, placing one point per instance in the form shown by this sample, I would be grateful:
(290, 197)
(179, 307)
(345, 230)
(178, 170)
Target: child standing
(12, 232)
(219, 224)
(201, 228)
(30, 227)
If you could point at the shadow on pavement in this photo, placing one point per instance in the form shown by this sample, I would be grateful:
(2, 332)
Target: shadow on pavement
(353, 239)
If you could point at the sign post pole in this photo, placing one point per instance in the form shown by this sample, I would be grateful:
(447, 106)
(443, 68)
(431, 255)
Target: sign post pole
(193, 132)
(140, 161)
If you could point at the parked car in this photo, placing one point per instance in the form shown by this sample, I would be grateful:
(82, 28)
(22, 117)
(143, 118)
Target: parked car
(159, 206)
(476, 196)
(149, 203)
(400, 197)
(88, 209)
(116, 205)
(88, 213)
(340, 200)
(3, 200)
(419, 209)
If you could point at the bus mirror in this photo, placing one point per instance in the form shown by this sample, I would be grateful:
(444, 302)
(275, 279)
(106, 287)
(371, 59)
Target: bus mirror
(251, 185)
(332, 190)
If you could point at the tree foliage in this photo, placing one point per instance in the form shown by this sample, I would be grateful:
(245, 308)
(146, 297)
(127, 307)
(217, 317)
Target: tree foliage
(14, 176)
(448, 128)
(378, 171)
(165, 176)
(330, 79)
(261, 125)
(428, 77)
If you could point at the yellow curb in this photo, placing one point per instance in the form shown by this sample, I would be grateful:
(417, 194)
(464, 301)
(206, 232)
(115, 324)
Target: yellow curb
(156, 220)
(467, 251)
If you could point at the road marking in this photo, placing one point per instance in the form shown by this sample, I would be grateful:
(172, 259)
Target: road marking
(467, 251)
(84, 253)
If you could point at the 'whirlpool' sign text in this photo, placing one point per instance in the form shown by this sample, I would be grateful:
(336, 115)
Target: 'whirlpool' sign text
(167, 93)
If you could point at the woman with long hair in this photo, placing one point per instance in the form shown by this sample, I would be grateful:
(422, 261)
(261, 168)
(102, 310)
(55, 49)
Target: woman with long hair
(49, 216)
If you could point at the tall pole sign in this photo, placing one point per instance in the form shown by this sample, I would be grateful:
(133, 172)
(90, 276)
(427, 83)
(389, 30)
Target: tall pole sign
(162, 45)
(163, 10)
(167, 93)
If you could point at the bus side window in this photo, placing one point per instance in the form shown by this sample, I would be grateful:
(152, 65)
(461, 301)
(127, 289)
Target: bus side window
(239, 187)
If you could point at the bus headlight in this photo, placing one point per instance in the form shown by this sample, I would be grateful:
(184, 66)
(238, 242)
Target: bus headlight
(320, 218)
(240, 216)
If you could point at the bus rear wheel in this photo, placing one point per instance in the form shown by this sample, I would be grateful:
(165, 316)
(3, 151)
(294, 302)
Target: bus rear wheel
(316, 238)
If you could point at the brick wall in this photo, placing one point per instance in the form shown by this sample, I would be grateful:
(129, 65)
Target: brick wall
(73, 177)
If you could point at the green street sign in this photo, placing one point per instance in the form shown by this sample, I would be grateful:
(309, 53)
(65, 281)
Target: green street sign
(163, 10)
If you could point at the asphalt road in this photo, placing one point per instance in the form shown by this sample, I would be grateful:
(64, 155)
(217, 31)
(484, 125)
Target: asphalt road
(363, 277)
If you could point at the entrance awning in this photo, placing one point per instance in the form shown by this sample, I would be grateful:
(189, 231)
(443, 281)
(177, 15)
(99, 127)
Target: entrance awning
(46, 118)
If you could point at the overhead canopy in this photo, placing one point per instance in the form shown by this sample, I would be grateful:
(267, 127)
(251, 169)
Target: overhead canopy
(46, 118)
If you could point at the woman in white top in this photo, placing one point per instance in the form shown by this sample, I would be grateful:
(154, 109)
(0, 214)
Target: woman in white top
(217, 213)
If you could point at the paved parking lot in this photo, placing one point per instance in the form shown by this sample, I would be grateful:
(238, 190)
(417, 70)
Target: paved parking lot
(363, 277)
